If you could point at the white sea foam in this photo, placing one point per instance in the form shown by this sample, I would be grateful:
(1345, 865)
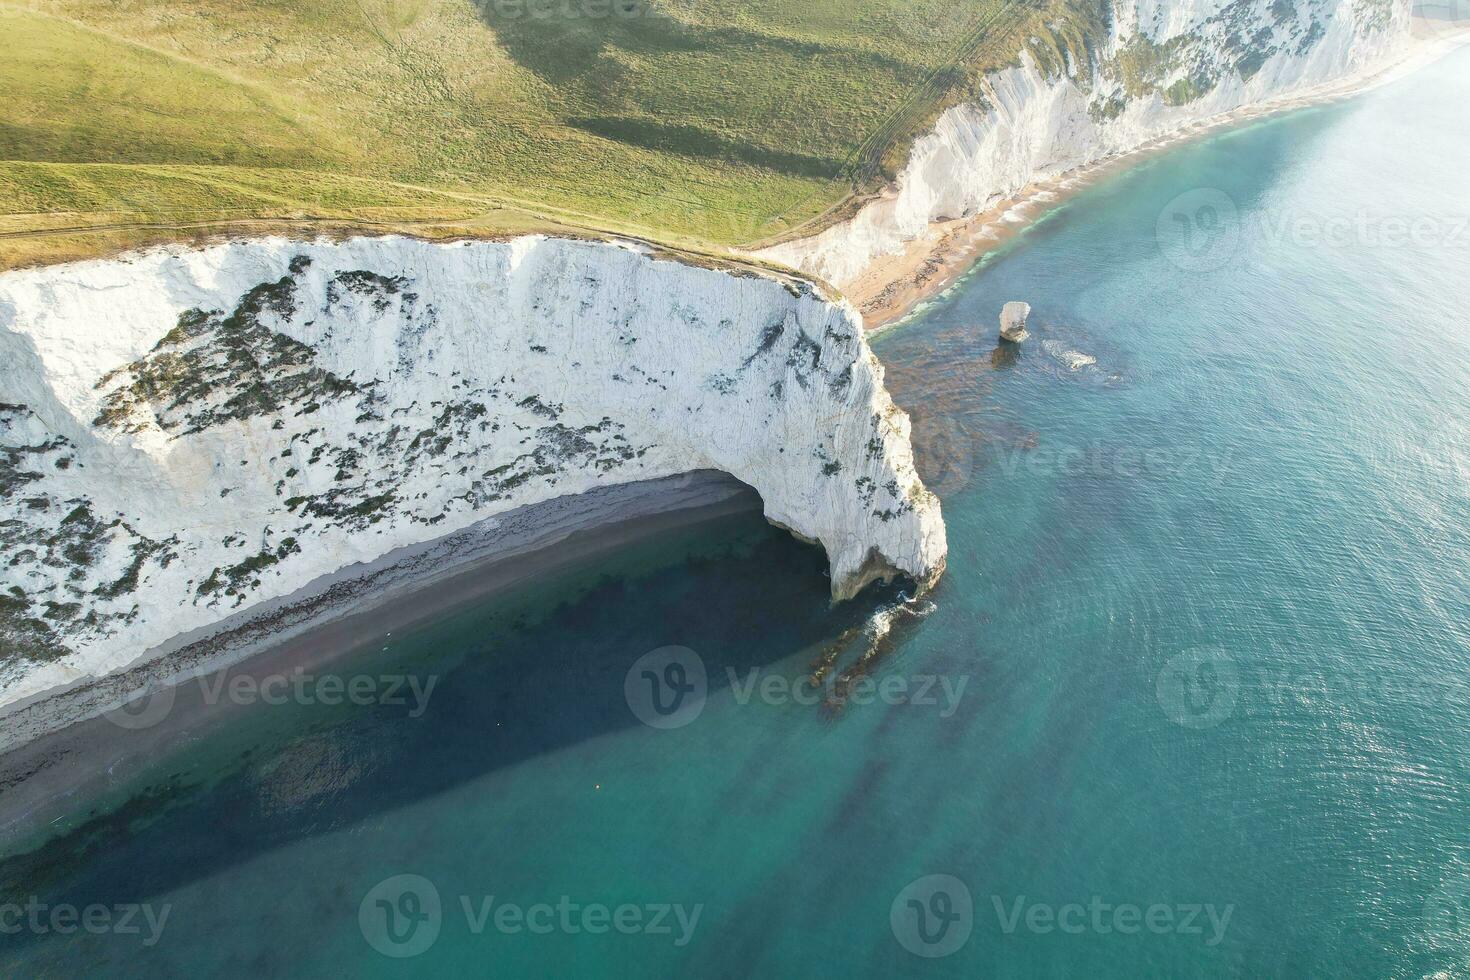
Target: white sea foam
(1072, 360)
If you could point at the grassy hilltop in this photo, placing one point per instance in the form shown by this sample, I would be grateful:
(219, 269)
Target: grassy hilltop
(697, 123)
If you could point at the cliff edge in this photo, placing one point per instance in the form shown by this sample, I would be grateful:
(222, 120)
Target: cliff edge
(185, 434)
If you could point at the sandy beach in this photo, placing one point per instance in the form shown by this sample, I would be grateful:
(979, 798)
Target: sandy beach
(61, 747)
(894, 286)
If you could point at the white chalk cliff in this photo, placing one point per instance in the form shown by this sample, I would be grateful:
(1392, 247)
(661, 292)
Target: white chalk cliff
(1164, 66)
(185, 434)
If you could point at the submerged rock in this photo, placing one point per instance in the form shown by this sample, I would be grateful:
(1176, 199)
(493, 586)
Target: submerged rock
(1013, 322)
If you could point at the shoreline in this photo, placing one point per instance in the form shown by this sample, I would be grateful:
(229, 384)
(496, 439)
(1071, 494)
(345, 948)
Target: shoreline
(60, 746)
(893, 288)
(57, 748)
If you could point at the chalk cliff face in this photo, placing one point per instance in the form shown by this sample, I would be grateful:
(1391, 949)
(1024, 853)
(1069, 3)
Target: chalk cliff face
(185, 434)
(1162, 67)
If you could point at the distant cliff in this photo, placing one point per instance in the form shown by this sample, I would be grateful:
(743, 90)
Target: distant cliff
(185, 434)
(1162, 67)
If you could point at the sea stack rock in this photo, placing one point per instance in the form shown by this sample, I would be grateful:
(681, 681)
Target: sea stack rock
(1013, 322)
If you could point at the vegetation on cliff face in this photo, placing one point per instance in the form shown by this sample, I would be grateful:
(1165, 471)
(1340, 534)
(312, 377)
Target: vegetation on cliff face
(286, 411)
(1237, 39)
(61, 548)
(1142, 64)
(213, 368)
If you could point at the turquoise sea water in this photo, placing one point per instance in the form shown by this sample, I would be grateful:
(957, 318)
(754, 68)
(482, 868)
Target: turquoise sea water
(1192, 700)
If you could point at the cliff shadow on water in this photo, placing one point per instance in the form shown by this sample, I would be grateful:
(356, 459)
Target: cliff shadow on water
(531, 672)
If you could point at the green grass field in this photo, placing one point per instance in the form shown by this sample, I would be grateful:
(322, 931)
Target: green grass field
(695, 123)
